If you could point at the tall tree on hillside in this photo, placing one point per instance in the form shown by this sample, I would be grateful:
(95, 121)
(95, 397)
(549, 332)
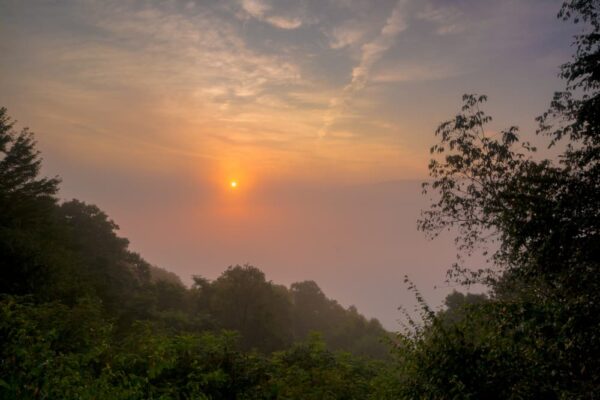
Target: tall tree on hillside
(104, 264)
(20, 183)
(27, 203)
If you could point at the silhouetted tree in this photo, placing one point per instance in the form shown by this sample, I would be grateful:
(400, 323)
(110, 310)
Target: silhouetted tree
(27, 220)
(242, 300)
(544, 217)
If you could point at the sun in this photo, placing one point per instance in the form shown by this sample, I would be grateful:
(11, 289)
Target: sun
(233, 184)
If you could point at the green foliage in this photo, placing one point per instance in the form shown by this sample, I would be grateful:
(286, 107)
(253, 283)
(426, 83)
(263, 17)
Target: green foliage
(488, 190)
(341, 329)
(242, 300)
(496, 350)
(310, 371)
(458, 305)
(54, 351)
(544, 315)
(45, 347)
(271, 317)
(537, 336)
(105, 266)
(158, 274)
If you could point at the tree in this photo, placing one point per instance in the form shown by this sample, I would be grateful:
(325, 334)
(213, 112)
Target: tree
(544, 218)
(574, 113)
(27, 221)
(341, 328)
(242, 300)
(458, 305)
(23, 194)
(574, 116)
(312, 309)
(309, 371)
(104, 264)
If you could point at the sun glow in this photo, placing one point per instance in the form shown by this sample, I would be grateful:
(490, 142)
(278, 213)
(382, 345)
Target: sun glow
(233, 184)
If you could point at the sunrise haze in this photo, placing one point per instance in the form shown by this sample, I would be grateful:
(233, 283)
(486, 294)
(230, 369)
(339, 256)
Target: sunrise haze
(289, 135)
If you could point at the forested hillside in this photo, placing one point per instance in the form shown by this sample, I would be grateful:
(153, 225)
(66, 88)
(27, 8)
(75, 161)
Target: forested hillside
(79, 307)
(83, 317)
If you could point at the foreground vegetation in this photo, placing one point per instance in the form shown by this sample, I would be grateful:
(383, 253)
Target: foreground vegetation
(83, 317)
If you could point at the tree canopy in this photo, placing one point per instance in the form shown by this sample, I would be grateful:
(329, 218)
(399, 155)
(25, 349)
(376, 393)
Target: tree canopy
(543, 220)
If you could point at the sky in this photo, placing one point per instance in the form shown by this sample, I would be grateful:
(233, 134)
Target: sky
(323, 112)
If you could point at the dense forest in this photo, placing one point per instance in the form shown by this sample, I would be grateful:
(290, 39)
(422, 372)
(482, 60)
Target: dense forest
(83, 317)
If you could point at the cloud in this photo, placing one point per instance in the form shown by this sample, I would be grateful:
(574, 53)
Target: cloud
(445, 18)
(192, 77)
(193, 50)
(284, 23)
(371, 52)
(256, 8)
(261, 11)
(423, 71)
(396, 23)
(191, 70)
(345, 35)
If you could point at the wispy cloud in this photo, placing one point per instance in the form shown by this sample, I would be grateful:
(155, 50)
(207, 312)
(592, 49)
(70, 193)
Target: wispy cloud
(246, 80)
(256, 8)
(446, 18)
(193, 51)
(263, 12)
(284, 23)
(344, 35)
(424, 71)
(371, 52)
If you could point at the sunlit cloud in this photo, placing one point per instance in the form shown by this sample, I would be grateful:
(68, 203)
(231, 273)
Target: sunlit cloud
(261, 11)
(256, 8)
(244, 79)
(284, 23)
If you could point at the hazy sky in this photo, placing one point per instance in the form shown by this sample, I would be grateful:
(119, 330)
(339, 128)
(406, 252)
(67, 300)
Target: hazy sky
(323, 111)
